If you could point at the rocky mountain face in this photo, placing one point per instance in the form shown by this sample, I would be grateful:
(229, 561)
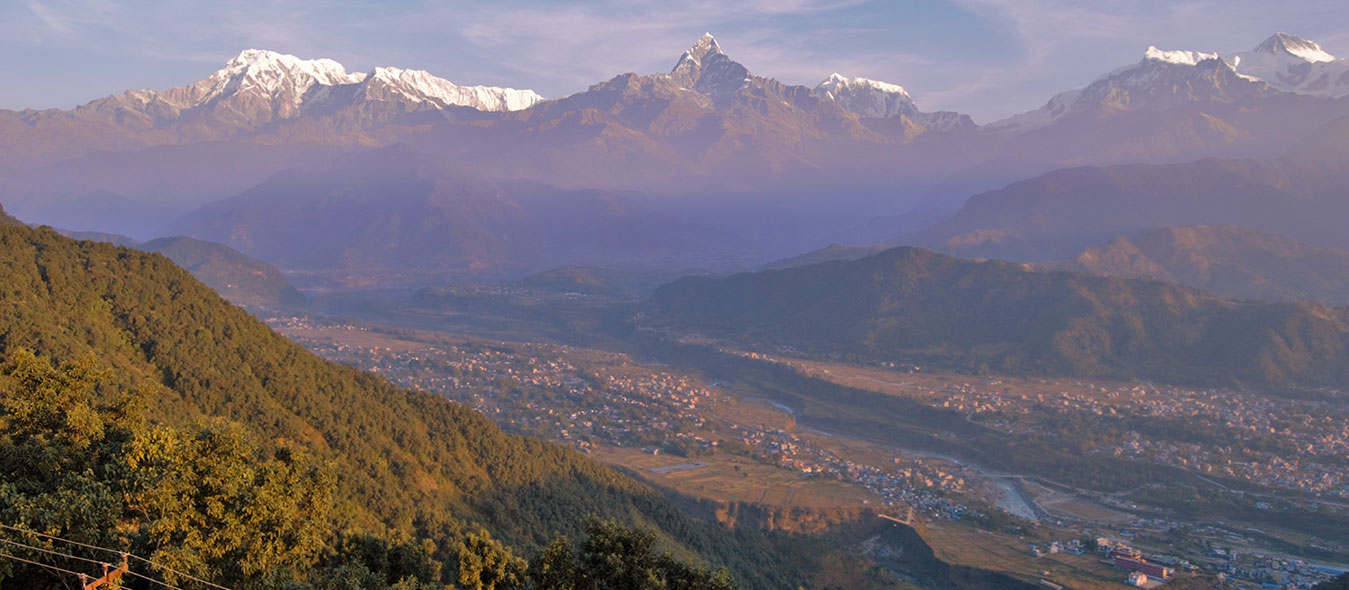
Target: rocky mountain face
(873, 99)
(1293, 64)
(708, 122)
(1161, 80)
(1233, 262)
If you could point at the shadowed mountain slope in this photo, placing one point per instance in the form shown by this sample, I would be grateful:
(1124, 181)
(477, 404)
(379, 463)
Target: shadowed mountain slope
(240, 279)
(827, 254)
(1230, 261)
(916, 306)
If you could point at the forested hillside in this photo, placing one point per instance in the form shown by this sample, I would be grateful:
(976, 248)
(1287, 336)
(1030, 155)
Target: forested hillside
(915, 306)
(1233, 262)
(161, 383)
(241, 279)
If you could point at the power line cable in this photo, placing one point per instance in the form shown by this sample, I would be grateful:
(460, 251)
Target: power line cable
(56, 553)
(43, 565)
(56, 538)
(164, 584)
(114, 551)
(96, 562)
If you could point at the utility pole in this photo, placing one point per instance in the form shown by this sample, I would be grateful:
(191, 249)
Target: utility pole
(112, 577)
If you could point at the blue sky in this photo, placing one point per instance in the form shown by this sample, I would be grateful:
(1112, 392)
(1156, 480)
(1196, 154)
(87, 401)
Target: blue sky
(987, 58)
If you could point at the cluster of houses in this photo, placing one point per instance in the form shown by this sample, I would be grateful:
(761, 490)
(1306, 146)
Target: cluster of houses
(1270, 571)
(541, 391)
(931, 489)
(615, 402)
(1316, 432)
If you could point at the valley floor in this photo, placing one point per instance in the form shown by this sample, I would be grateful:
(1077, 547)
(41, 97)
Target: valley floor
(777, 442)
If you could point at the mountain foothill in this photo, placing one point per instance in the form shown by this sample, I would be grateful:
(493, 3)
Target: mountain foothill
(915, 307)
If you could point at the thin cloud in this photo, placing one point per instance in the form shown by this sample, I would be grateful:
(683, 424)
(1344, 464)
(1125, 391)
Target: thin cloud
(50, 19)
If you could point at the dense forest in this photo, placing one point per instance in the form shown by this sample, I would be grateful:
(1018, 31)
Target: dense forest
(913, 306)
(143, 412)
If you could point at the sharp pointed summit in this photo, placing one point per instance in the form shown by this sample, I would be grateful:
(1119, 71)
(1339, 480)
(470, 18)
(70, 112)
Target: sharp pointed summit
(1293, 64)
(1284, 43)
(706, 69)
(707, 44)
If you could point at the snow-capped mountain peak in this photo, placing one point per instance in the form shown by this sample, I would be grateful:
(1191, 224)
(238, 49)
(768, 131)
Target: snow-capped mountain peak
(837, 80)
(1163, 79)
(1293, 64)
(1179, 57)
(420, 86)
(882, 100)
(275, 76)
(695, 55)
(260, 62)
(867, 98)
(706, 69)
(1284, 43)
(259, 87)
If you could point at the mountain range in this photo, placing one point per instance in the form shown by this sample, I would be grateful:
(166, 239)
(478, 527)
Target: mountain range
(259, 92)
(783, 168)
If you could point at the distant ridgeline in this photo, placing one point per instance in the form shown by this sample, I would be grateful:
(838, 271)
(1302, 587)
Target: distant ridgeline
(908, 304)
(1233, 262)
(241, 279)
(154, 417)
